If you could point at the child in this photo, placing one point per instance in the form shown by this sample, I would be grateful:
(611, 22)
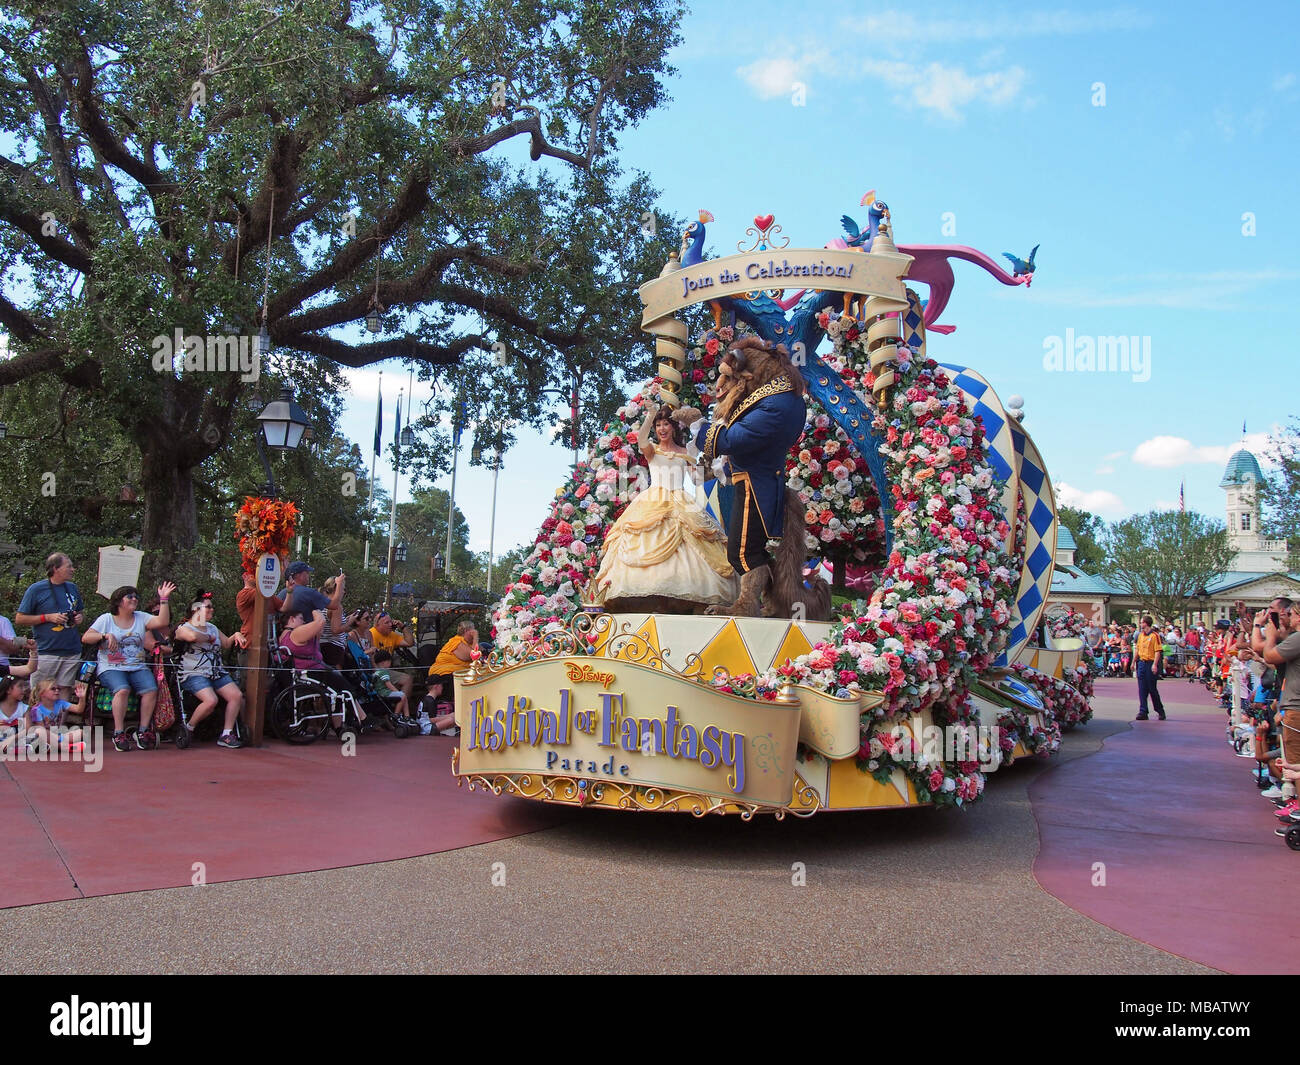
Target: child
(444, 720)
(384, 682)
(45, 716)
(13, 712)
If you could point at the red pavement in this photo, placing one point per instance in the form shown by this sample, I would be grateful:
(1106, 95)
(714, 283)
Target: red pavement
(1191, 862)
(146, 817)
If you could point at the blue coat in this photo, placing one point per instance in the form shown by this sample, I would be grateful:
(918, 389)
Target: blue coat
(756, 439)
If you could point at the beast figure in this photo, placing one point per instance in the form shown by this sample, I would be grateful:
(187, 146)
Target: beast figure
(758, 417)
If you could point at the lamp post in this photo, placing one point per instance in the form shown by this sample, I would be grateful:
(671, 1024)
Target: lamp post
(281, 426)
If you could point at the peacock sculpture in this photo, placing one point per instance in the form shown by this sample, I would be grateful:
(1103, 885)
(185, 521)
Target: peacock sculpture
(863, 238)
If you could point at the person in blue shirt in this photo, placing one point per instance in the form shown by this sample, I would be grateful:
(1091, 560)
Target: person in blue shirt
(301, 598)
(54, 609)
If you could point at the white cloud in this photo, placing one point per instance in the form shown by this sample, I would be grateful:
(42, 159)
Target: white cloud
(1283, 82)
(1104, 470)
(769, 78)
(947, 89)
(1112, 456)
(1164, 452)
(1096, 502)
(899, 26)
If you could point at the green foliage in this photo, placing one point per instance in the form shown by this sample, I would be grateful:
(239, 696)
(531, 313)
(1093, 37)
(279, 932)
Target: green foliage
(1087, 530)
(1166, 557)
(1280, 495)
(172, 166)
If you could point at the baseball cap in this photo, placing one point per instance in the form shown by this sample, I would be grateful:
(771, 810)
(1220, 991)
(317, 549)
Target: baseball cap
(296, 568)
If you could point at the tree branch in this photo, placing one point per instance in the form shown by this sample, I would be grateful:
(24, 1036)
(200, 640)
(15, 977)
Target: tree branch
(532, 125)
(357, 355)
(85, 374)
(16, 321)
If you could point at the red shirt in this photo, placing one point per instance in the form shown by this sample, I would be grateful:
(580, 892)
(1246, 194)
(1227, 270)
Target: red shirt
(244, 605)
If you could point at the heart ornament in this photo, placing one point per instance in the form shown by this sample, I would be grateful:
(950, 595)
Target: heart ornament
(764, 222)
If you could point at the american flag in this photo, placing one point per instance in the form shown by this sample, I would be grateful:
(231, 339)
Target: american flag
(1182, 503)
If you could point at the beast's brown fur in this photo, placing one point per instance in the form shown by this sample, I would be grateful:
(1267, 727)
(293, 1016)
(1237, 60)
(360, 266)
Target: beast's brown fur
(762, 362)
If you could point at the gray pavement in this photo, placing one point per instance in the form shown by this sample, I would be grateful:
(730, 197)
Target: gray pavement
(911, 891)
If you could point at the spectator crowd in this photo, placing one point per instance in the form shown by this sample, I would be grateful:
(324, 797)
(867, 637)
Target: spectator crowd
(160, 674)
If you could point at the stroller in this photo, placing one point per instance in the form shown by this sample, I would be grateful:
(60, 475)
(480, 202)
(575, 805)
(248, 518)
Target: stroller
(1114, 662)
(360, 671)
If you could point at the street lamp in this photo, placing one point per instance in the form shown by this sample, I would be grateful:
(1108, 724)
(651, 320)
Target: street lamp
(401, 552)
(282, 425)
(407, 437)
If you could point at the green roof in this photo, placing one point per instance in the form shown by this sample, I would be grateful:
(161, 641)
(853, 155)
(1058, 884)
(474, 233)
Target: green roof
(1243, 468)
(1065, 539)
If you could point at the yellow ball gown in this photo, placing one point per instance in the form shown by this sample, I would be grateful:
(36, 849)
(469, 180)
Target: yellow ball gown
(665, 544)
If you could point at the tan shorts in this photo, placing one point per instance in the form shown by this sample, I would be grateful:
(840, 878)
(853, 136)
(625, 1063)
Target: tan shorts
(1290, 732)
(62, 669)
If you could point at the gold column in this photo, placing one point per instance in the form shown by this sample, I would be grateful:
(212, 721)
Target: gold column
(670, 346)
(883, 331)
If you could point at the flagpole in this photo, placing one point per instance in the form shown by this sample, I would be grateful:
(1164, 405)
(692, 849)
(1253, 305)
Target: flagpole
(374, 453)
(451, 498)
(492, 527)
(392, 511)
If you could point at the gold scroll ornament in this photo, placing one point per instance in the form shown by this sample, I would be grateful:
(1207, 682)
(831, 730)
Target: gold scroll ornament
(883, 331)
(670, 346)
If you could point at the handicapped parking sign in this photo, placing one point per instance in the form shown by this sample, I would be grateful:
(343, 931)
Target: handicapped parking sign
(268, 574)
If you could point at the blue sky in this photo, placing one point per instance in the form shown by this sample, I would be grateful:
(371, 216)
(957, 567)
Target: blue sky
(1141, 205)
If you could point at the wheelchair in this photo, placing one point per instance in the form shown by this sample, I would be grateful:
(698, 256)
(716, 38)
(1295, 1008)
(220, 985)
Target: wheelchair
(306, 707)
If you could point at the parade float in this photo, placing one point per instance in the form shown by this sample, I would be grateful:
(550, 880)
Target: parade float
(921, 491)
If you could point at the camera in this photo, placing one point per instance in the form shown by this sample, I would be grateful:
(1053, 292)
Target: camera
(86, 671)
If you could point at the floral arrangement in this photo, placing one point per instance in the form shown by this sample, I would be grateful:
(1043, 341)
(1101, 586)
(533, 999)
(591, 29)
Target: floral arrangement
(943, 598)
(842, 510)
(1071, 623)
(262, 526)
(1063, 704)
(1015, 726)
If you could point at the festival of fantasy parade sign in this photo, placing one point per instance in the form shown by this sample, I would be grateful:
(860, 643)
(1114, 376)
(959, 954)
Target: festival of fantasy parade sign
(628, 724)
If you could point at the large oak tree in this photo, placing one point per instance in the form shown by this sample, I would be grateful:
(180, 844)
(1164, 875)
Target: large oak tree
(172, 165)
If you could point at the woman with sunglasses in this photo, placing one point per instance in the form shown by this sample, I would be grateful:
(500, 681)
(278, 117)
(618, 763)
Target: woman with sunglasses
(123, 667)
(204, 674)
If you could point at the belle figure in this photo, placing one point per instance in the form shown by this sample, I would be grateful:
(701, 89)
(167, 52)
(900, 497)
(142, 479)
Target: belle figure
(665, 546)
